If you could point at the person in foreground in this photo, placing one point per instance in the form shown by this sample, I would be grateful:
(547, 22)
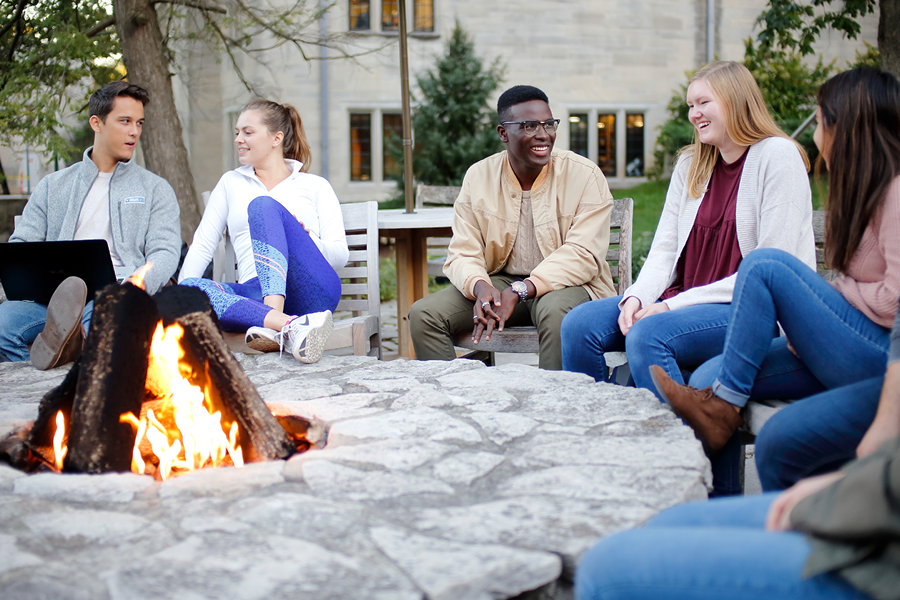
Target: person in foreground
(105, 196)
(741, 185)
(530, 236)
(288, 236)
(754, 547)
(839, 331)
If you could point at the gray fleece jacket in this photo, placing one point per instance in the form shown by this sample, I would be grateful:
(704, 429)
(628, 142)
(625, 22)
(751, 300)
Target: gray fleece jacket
(143, 213)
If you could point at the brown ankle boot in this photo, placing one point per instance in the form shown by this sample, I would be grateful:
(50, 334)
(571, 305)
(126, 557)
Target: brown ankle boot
(62, 339)
(713, 420)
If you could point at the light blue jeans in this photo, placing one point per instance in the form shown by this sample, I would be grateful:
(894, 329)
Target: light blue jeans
(706, 551)
(837, 342)
(675, 340)
(20, 324)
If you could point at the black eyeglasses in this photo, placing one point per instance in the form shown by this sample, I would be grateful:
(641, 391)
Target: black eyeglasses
(531, 127)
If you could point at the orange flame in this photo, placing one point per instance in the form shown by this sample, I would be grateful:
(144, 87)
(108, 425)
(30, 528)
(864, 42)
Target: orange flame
(137, 278)
(59, 438)
(181, 431)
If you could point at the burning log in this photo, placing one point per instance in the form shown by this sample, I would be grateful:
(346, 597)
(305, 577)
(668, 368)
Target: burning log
(111, 376)
(154, 399)
(262, 437)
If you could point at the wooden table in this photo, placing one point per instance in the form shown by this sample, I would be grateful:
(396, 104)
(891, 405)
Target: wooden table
(411, 231)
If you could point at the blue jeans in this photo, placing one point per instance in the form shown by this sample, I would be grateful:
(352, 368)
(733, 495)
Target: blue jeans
(815, 435)
(20, 324)
(675, 340)
(837, 342)
(706, 550)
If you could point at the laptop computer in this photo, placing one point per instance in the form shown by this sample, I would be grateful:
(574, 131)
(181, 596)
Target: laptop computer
(33, 270)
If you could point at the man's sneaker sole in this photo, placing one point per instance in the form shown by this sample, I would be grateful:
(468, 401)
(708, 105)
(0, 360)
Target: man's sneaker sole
(313, 346)
(259, 339)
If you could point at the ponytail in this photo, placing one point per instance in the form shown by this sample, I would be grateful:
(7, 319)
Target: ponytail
(286, 119)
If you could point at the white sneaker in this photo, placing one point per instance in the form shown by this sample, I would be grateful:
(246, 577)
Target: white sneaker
(262, 339)
(305, 336)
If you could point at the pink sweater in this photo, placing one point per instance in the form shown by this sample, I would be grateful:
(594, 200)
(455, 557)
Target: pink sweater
(872, 280)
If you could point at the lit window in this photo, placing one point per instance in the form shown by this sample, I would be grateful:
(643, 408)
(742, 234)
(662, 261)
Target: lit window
(606, 144)
(390, 15)
(359, 15)
(423, 15)
(392, 130)
(360, 147)
(598, 134)
(634, 145)
(578, 134)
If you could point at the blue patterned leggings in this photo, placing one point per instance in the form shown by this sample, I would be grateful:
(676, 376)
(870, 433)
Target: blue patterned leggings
(288, 263)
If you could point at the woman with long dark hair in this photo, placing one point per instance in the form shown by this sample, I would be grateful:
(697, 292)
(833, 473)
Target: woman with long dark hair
(838, 331)
(288, 236)
(754, 547)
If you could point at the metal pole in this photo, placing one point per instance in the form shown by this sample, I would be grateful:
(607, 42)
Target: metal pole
(407, 121)
(803, 126)
(323, 90)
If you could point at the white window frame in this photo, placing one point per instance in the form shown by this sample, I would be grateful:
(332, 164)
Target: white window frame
(620, 110)
(376, 113)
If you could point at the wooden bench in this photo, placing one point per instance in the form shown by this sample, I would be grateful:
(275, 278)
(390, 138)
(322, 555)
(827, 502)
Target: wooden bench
(359, 285)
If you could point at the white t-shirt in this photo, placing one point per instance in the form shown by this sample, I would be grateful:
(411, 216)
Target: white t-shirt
(93, 220)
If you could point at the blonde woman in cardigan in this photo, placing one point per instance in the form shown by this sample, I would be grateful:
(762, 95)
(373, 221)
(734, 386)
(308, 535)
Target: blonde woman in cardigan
(742, 185)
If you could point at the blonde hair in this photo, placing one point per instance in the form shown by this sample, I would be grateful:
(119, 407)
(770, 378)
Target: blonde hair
(286, 119)
(747, 120)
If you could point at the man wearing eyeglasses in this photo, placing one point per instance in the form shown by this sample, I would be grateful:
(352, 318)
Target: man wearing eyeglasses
(530, 235)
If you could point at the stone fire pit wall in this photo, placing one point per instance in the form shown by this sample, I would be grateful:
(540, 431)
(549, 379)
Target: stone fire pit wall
(439, 480)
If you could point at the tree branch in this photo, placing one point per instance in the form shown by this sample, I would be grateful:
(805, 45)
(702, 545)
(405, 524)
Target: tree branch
(19, 10)
(190, 4)
(99, 27)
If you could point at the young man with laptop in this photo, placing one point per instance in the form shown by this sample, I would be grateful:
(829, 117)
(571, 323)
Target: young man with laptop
(106, 196)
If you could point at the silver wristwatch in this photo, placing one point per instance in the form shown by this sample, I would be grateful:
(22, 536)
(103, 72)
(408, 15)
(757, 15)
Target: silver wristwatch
(520, 288)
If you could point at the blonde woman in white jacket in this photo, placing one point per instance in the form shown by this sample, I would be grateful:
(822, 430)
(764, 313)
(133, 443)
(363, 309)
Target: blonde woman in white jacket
(742, 185)
(288, 235)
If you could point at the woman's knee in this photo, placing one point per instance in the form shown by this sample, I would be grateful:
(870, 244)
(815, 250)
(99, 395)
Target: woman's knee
(773, 447)
(262, 204)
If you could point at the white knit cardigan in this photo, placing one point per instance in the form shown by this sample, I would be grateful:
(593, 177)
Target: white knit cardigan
(774, 210)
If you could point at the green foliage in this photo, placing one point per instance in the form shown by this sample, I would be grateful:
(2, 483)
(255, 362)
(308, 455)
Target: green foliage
(676, 133)
(453, 124)
(387, 278)
(870, 58)
(795, 25)
(52, 53)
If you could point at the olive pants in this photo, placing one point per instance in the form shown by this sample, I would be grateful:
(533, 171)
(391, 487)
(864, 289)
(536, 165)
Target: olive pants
(436, 318)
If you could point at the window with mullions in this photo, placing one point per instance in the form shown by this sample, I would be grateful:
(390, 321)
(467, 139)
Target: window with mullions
(359, 15)
(613, 138)
(423, 15)
(390, 15)
(360, 147)
(392, 126)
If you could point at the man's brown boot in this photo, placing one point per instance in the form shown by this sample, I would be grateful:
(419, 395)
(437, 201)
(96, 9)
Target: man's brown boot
(63, 336)
(713, 420)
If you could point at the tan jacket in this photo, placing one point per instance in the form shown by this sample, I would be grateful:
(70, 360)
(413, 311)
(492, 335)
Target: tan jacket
(571, 204)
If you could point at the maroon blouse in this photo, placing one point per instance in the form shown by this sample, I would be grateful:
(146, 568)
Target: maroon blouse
(712, 252)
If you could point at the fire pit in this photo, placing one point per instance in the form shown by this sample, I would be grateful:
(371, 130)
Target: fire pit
(156, 391)
(438, 480)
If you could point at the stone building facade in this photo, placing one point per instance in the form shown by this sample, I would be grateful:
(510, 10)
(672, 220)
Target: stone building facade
(608, 66)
